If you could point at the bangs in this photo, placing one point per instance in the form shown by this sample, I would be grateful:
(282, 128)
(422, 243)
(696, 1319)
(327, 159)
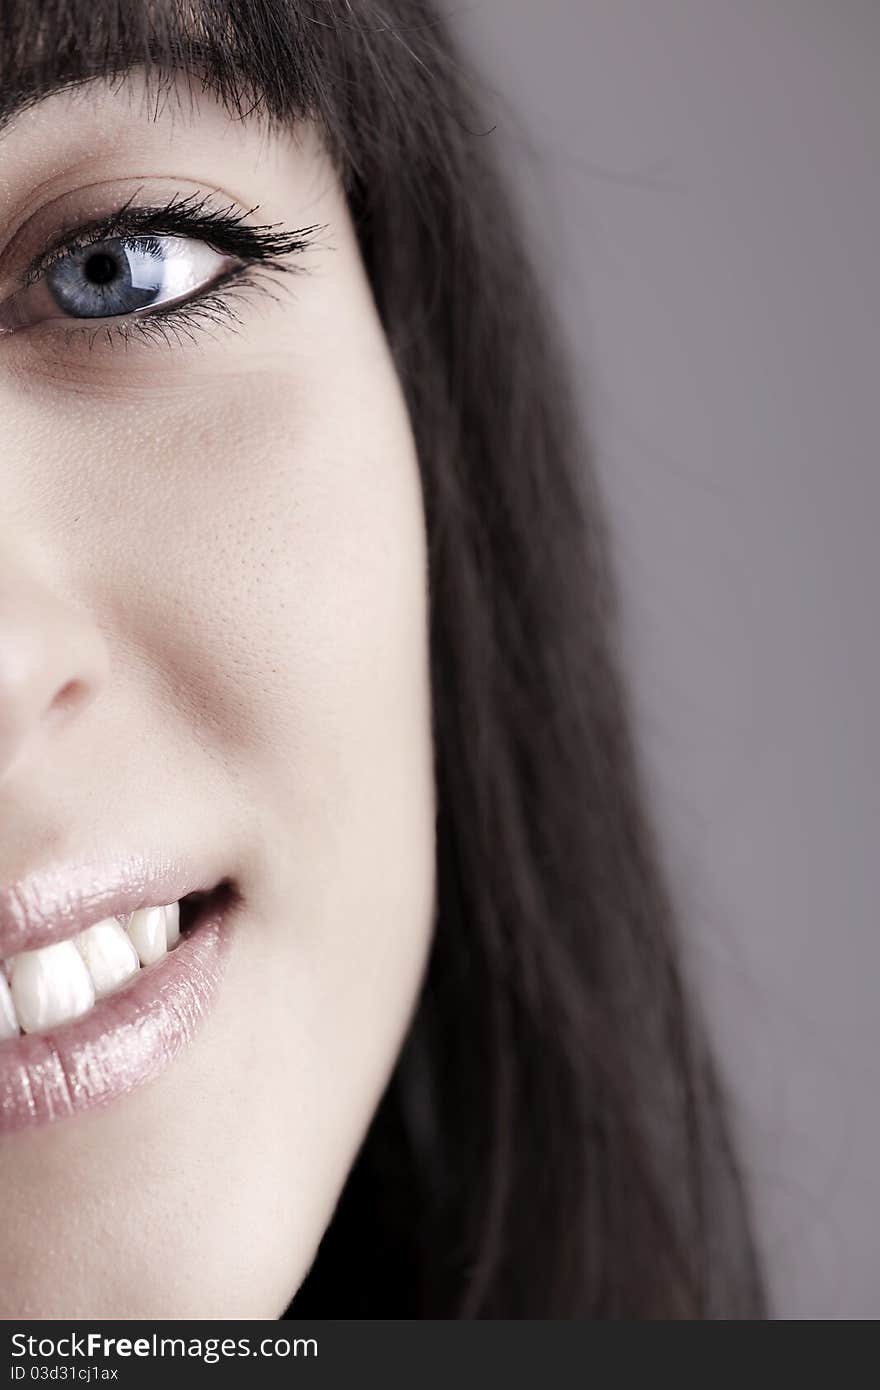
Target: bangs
(256, 56)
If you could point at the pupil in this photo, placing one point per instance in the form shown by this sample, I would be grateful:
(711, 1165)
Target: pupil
(100, 268)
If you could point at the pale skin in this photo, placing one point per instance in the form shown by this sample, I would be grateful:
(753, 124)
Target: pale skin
(214, 636)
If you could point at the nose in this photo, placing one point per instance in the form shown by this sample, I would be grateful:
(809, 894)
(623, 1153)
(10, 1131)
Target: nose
(53, 661)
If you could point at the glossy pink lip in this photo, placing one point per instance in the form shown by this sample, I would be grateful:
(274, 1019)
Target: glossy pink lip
(61, 902)
(127, 1038)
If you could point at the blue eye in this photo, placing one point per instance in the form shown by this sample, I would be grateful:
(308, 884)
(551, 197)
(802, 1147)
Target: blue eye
(109, 278)
(117, 277)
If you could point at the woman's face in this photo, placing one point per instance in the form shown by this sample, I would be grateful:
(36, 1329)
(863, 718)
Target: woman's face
(213, 654)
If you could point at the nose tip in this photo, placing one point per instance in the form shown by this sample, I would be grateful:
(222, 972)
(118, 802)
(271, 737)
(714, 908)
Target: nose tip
(53, 662)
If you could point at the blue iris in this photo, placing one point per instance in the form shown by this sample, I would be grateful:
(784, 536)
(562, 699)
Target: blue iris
(109, 277)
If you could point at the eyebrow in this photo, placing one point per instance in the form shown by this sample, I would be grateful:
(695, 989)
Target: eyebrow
(251, 60)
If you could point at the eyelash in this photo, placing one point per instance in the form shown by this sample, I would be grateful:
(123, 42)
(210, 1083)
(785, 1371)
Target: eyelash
(215, 305)
(262, 251)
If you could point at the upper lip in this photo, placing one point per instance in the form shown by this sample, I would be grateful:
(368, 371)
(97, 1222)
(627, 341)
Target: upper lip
(63, 900)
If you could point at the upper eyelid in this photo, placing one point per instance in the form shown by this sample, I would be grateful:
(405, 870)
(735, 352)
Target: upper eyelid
(201, 216)
(218, 226)
(66, 239)
(122, 220)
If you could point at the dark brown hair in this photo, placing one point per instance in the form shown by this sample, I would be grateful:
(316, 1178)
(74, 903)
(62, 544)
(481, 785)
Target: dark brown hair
(552, 1143)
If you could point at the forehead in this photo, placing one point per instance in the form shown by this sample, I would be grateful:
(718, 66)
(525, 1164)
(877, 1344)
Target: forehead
(252, 56)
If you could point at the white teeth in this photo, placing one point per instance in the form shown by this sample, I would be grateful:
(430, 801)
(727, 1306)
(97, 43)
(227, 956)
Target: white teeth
(42, 988)
(148, 932)
(172, 924)
(50, 986)
(109, 954)
(8, 1018)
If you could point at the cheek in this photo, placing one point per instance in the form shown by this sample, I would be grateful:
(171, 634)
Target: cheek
(299, 659)
(259, 561)
(286, 613)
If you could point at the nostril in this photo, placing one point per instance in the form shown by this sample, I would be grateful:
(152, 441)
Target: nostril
(73, 692)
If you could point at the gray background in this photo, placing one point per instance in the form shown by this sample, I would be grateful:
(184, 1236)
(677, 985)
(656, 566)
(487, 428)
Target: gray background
(704, 175)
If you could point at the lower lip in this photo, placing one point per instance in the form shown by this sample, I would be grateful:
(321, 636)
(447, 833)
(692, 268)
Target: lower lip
(125, 1040)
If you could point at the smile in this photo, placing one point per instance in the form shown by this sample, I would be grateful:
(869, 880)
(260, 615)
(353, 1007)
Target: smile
(111, 997)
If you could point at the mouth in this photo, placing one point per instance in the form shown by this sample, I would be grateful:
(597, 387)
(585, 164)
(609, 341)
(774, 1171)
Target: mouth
(98, 1012)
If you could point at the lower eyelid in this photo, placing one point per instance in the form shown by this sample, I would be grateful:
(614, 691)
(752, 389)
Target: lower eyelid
(220, 306)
